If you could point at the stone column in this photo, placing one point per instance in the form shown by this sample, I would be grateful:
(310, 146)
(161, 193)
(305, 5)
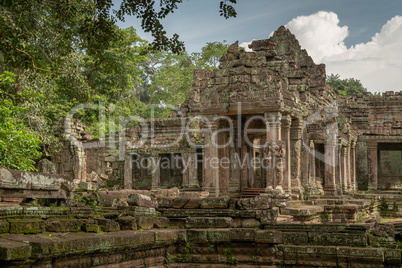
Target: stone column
(273, 135)
(330, 161)
(244, 168)
(286, 122)
(128, 172)
(251, 175)
(295, 153)
(211, 165)
(372, 165)
(311, 166)
(155, 170)
(353, 166)
(348, 167)
(192, 168)
(338, 168)
(344, 174)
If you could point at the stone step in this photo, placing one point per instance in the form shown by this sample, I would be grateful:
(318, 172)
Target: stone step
(364, 203)
(303, 213)
(284, 218)
(252, 192)
(207, 222)
(9, 204)
(321, 202)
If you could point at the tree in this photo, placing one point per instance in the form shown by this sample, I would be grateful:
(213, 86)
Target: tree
(37, 34)
(210, 55)
(346, 87)
(167, 76)
(19, 147)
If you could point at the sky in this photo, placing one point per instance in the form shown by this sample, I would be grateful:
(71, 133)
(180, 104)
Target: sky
(359, 39)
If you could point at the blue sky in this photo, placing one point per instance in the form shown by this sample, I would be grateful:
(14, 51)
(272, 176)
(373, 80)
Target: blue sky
(346, 27)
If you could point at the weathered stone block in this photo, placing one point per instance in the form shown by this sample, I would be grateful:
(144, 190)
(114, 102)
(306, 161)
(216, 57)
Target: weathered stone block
(4, 227)
(26, 226)
(166, 237)
(145, 223)
(161, 222)
(87, 186)
(384, 229)
(193, 203)
(165, 202)
(267, 216)
(13, 250)
(244, 203)
(201, 222)
(63, 225)
(337, 239)
(140, 211)
(179, 202)
(108, 225)
(295, 238)
(91, 228)
(128, 223)
(197, 236)
(141, 200)
(268, 236)
(392, 257)
(250, 223)
(215, 202)
(218, 235)
(242, 234)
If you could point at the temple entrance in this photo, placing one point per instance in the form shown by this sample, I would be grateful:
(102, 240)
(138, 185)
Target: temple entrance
(141, 172)
(389, 165)
(171, 170)
(199, 166)
(319, 164)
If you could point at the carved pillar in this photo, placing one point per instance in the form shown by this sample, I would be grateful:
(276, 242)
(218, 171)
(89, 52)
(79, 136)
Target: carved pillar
(156, 171)
(235, 156)
(330, 161)
(295, 153)
(348, 167)
(190, 175)
(286, 122)
(251, 175)
(311, 165)
(128, 172)
(338, 169)
(211, 163)
(344, 173)
(353, 166)
(244, 164)
(272, 136)
(372, 165)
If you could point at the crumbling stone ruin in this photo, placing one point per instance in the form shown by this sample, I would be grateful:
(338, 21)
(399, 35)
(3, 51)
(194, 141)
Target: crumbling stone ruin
(264, 165)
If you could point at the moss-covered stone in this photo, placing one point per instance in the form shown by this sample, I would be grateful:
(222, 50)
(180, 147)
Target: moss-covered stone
(4, 227)
(12, 250)
(145, 223)
(63, 225)
(108, 225)
(27, 226)
(91, 228)
(206, 222)
(128, 223)
(161, 222)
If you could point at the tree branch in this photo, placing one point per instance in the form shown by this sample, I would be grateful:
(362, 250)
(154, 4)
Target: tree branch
(57, 72)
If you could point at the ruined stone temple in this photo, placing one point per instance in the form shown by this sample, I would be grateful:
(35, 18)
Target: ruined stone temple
(263, 166)
(273, 99)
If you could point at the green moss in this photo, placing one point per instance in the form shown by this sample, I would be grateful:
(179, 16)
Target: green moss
(230, 258)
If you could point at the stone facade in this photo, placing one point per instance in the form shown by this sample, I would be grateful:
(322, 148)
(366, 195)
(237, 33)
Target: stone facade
(272, 105)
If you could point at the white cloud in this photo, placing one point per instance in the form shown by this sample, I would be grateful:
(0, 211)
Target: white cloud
(245, 45)
(377, 64)
(320, 34)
